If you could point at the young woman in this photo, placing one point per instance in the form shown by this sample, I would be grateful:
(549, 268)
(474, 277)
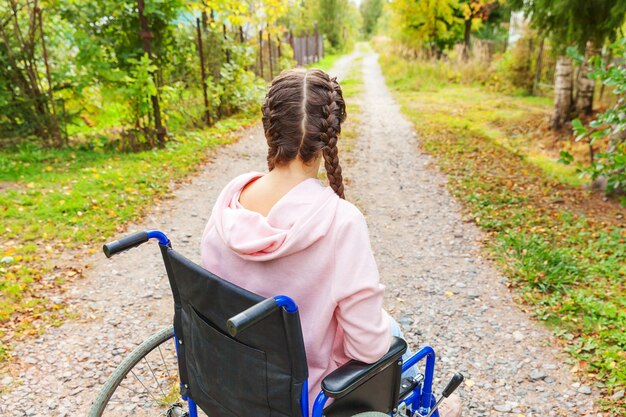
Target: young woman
(285, 232)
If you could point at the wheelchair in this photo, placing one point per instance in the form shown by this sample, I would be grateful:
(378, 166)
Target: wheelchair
(233, 353)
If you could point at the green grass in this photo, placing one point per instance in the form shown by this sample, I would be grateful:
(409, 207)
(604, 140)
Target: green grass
(326, 63)
(58, 200)
(563, 249)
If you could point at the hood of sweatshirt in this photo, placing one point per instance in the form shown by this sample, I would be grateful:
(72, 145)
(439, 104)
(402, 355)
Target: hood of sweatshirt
(299, 219)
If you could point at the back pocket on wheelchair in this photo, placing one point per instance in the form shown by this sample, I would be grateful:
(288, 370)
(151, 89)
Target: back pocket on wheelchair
(226, 378)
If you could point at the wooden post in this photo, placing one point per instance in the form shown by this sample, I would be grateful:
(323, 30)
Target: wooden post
(317, 44)
(207, 113)
(261, 52)
(306, 48)
(538, 68)
(269, 49)
(146, 35)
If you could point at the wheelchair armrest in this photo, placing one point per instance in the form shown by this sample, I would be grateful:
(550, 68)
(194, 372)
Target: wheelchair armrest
(353, 374)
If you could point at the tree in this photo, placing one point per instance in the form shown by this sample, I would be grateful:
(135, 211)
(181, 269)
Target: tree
(329, 20)
(27, 103)
(573, 23)
(473, 10)
(119, 42)
(371, 10)
(432, 25)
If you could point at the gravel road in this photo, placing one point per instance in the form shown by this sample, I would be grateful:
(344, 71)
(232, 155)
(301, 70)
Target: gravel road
(438, 286)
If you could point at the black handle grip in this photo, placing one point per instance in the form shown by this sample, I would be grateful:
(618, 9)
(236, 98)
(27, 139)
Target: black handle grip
(251, 316)
(453, 384)
(125, 243)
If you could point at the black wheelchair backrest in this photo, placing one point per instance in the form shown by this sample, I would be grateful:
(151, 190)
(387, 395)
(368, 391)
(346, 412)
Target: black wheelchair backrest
(260, 372)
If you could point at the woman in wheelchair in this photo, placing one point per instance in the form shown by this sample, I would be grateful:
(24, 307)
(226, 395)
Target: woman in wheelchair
(284, 232)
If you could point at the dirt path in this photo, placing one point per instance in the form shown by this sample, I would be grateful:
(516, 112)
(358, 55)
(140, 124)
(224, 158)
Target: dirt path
(428, 257)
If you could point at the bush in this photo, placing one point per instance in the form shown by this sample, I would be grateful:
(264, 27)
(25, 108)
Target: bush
(611, 163)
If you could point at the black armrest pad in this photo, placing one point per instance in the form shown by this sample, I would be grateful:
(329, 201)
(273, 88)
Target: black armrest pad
(354, 373)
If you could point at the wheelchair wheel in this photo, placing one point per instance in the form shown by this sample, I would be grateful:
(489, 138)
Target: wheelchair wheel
(145, 383)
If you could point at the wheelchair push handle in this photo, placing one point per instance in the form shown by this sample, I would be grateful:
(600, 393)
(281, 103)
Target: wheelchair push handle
(125, 243)
(134, 240)
(258, 312)
(251, 316)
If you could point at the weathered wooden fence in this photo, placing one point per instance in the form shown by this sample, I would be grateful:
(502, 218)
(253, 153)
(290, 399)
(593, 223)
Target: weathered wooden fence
(307, 49)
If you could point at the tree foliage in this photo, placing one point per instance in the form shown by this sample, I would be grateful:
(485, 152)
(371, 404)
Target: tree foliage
(574, 22)
(432, 24)
(609, 164)
(115, 67)
(27, 104)
(438, 25)
(371, 10)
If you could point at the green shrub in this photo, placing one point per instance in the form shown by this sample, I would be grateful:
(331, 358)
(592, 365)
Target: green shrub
(611, 124)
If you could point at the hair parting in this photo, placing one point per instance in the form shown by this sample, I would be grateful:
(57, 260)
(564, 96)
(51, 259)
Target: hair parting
(302, 116)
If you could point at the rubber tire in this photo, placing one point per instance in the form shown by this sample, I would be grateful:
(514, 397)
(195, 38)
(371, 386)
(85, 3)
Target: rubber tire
(125, 366)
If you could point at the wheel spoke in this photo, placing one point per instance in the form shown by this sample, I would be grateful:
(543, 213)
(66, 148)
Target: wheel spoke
(154, 376)
(144, 386)
(164, 364)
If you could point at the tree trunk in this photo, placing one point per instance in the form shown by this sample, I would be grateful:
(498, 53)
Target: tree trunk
(466, 38)
(146, 36)
(585, 85)
(207, 112)
(538, 67)
(55, 131)
(261, 52)
(562, 92)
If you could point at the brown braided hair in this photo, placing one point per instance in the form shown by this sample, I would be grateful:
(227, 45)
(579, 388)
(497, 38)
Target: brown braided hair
(302, 116)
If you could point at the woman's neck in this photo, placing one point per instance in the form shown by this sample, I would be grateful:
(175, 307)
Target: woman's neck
(262, 194)
(295, 171)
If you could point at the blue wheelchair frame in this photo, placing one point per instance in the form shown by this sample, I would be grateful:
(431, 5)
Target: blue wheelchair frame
(421, 401)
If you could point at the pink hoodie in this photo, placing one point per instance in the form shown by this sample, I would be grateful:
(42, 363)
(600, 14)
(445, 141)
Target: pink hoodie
(313, 247)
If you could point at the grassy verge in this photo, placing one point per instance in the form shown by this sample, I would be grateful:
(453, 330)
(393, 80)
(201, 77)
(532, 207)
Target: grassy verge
(563, 248)
(352, 87)
(326, 63)
(53, 201)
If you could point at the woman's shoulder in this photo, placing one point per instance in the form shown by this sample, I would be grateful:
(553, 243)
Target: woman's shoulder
(348, 214)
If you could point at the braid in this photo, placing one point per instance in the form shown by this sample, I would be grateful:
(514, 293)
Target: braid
(331, 127)
(271, 150)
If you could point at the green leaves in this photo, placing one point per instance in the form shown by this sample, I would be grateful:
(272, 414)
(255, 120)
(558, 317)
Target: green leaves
(610, 125)
(565, 158)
